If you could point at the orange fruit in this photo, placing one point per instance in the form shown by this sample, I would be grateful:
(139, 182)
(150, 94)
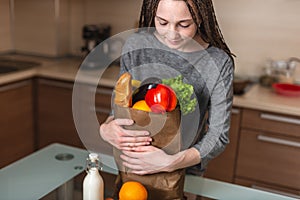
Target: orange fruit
(141, 105)
(133, 190)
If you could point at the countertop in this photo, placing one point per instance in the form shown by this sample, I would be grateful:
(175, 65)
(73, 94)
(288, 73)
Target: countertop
(67, 69)
(25, 175)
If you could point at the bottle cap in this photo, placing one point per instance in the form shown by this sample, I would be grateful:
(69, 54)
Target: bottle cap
(93, 156)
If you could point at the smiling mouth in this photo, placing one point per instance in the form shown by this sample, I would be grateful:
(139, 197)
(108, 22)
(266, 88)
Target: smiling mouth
(174, 42)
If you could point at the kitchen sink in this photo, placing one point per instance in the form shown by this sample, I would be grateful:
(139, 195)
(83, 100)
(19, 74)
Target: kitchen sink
(12, 65)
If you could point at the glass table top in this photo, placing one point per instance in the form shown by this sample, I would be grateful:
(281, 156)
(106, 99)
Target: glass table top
(45, 170)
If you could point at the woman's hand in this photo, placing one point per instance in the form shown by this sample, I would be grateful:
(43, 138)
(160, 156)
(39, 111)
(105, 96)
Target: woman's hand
(112, 132)
(149, 159)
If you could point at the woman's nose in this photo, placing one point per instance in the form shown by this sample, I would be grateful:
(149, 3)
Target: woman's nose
(172, 32)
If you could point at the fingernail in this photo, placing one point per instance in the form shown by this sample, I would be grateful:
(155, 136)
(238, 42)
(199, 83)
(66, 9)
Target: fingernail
(146, 133)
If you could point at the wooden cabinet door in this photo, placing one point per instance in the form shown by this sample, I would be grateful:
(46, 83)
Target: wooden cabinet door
(268, 187)
(93, 105)
(269, 158)
(271, 122)
(222, 167)
(16, 121)
(55, 118)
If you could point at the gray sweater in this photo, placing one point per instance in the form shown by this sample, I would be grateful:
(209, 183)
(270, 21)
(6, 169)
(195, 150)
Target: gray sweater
(209, 71)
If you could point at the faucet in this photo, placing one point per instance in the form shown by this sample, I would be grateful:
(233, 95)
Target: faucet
(292, 63)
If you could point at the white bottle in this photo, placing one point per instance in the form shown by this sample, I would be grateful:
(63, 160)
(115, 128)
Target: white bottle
(93, 185)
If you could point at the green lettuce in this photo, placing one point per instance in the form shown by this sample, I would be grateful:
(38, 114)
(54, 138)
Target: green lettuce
(183, 92)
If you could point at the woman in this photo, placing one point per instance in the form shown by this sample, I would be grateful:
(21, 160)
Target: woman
(186, 28)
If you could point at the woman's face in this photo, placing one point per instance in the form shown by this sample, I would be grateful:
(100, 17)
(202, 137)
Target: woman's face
(174, 24)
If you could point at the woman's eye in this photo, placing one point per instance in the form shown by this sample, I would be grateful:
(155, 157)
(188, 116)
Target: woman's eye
(163, 23)
(184, 25)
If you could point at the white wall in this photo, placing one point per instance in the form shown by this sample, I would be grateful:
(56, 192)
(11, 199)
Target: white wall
(6, 43)
(42, 27)
(258, 30)
(255, 30)
(120, 14)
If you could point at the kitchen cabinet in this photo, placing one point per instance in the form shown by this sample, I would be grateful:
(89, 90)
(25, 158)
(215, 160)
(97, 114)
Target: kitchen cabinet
(268, 187)
(55, 118)
(54, 114)
(46, 35)
(223, 167)
(16, 121)
(92, 106)
(269, 150)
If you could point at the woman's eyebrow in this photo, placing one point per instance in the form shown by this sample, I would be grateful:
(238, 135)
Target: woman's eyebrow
(183, 20)
(160, 18)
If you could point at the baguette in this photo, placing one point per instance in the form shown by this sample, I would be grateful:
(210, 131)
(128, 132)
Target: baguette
(123, 90)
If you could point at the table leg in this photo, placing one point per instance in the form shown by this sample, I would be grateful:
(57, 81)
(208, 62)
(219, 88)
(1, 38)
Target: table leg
(65, 191)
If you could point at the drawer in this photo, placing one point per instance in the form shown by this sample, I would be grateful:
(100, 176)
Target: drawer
(103, 97)
(222, 167)
(270, 158)
(88, 94)
(268, 188)
(271, 122)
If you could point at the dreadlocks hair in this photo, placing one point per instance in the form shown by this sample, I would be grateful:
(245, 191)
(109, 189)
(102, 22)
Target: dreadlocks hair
(203, 14)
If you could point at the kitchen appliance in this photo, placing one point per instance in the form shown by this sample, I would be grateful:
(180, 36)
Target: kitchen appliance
(279, 71)
(241, 85)
(93, 35)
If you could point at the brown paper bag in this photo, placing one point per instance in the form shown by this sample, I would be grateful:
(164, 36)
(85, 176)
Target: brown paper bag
(165, 131)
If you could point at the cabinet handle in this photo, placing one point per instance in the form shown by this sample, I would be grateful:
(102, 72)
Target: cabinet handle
(235, 111)
(101, 110)
(12, 86)
(280, 118)
(275, 191)
(278, 141)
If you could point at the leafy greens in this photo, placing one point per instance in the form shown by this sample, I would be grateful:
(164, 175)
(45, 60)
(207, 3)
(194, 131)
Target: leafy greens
(183, 92)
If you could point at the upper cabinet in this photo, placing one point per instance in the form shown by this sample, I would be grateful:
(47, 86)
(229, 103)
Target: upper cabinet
(53, 28)
(41, 27)
(6, 43)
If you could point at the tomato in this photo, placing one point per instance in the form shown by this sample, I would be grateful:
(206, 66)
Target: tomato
(161, 99)
(172, 100)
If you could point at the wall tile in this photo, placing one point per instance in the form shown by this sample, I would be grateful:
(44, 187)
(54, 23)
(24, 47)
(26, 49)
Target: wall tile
(6, 43)
(121, 15)
(35, 27)
(259, 30)
(42, 27)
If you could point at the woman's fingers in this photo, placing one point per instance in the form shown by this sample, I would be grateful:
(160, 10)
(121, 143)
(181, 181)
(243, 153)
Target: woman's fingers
(128, 122)
(134, 133)
(123, 122)
(114, 133)
(132, 163)
(130, 139)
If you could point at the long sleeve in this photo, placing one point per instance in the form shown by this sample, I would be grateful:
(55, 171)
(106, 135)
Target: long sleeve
(219, 115)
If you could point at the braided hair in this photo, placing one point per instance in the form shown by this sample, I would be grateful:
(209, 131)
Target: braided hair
(203, 14)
